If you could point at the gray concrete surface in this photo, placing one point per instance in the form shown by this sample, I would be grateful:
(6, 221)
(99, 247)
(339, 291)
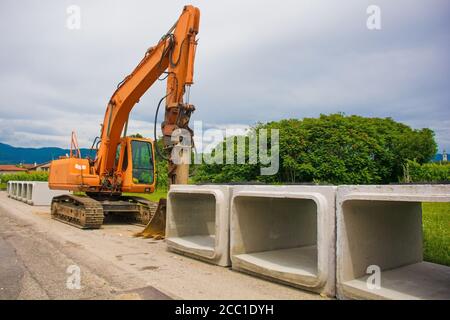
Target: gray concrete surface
(285, 233)
(422, 280)
(35, 252)
(382, 226)
(198, 222)
(34, 193)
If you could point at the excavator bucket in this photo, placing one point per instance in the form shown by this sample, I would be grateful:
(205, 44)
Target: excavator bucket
(156, 227)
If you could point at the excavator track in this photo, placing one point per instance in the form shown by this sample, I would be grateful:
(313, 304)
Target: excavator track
(81, 212)
(146, 207)
(90, 213)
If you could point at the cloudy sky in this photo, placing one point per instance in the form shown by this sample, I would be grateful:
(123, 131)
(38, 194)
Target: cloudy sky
(256, 61)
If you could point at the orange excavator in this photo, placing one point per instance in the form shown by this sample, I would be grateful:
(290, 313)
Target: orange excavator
(127, 164)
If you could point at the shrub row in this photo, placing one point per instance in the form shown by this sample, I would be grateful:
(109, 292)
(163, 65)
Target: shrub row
(428, 172)
(24, 176)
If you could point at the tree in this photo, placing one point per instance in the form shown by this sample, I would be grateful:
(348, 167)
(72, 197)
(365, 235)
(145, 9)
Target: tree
(335, 149)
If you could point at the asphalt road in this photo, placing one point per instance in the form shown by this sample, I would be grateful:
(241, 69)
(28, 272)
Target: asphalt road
(40, 259)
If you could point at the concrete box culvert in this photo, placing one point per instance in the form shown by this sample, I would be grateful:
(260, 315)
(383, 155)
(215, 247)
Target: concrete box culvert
(41, 195)
(198, 222)
(12, 189)
(380, 243)
(15, 191)
(21, 192)
(9, 188)
(33, 192)
(29, 193)
(285, 234)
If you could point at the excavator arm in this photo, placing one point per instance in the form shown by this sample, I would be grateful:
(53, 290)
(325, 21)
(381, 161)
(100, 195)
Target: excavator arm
(175, 53)
(127, 164)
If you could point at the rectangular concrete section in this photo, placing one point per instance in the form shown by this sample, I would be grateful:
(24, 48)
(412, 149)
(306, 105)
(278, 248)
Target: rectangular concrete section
(379, 228)
(198, 222)
(286, 234)
(32, 192)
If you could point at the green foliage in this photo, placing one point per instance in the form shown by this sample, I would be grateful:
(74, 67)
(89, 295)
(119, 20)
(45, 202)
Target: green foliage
(24, 176)
(155, 196)
(428, 172)
(161, 168)
(335, 149)
(436, 232)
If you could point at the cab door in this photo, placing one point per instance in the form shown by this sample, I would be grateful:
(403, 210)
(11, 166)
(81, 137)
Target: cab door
(140, 167)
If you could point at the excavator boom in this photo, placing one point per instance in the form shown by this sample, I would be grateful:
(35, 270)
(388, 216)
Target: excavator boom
(127, 164)
(175, 52)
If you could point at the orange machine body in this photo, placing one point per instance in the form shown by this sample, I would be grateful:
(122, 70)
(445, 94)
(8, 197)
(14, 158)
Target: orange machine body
(133, 165)
(119, 165)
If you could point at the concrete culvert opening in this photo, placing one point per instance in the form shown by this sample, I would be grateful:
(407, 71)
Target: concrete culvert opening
(193, 222)
(29, 192)
(383, 252)
(13, 189)
(19, 190)
(278, 235)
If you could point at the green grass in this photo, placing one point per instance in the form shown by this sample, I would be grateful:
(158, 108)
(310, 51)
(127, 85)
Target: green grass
(155, 196)
(436, 232)
(2, 186)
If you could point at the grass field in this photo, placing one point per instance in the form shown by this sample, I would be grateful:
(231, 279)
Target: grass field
(152, 196)
(436, 232)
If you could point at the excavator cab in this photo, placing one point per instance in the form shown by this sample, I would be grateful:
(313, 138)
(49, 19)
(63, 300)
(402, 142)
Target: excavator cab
(135, 164)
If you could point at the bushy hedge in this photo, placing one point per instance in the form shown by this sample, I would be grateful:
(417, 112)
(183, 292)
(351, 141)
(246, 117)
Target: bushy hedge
(24, 176)
(335, 149)
(428, 172)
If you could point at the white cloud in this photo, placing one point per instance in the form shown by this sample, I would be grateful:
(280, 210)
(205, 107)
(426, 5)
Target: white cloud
(256, 61)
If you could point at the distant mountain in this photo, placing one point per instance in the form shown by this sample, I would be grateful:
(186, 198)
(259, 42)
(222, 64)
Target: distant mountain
(13, 155)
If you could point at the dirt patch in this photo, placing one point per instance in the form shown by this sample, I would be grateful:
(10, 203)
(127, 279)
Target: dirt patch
(149, 268)
(70, 244)
(42, 214)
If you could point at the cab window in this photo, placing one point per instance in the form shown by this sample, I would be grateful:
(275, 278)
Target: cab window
(142, 160)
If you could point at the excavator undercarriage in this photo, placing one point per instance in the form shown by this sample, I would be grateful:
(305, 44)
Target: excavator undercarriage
(90, 212)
